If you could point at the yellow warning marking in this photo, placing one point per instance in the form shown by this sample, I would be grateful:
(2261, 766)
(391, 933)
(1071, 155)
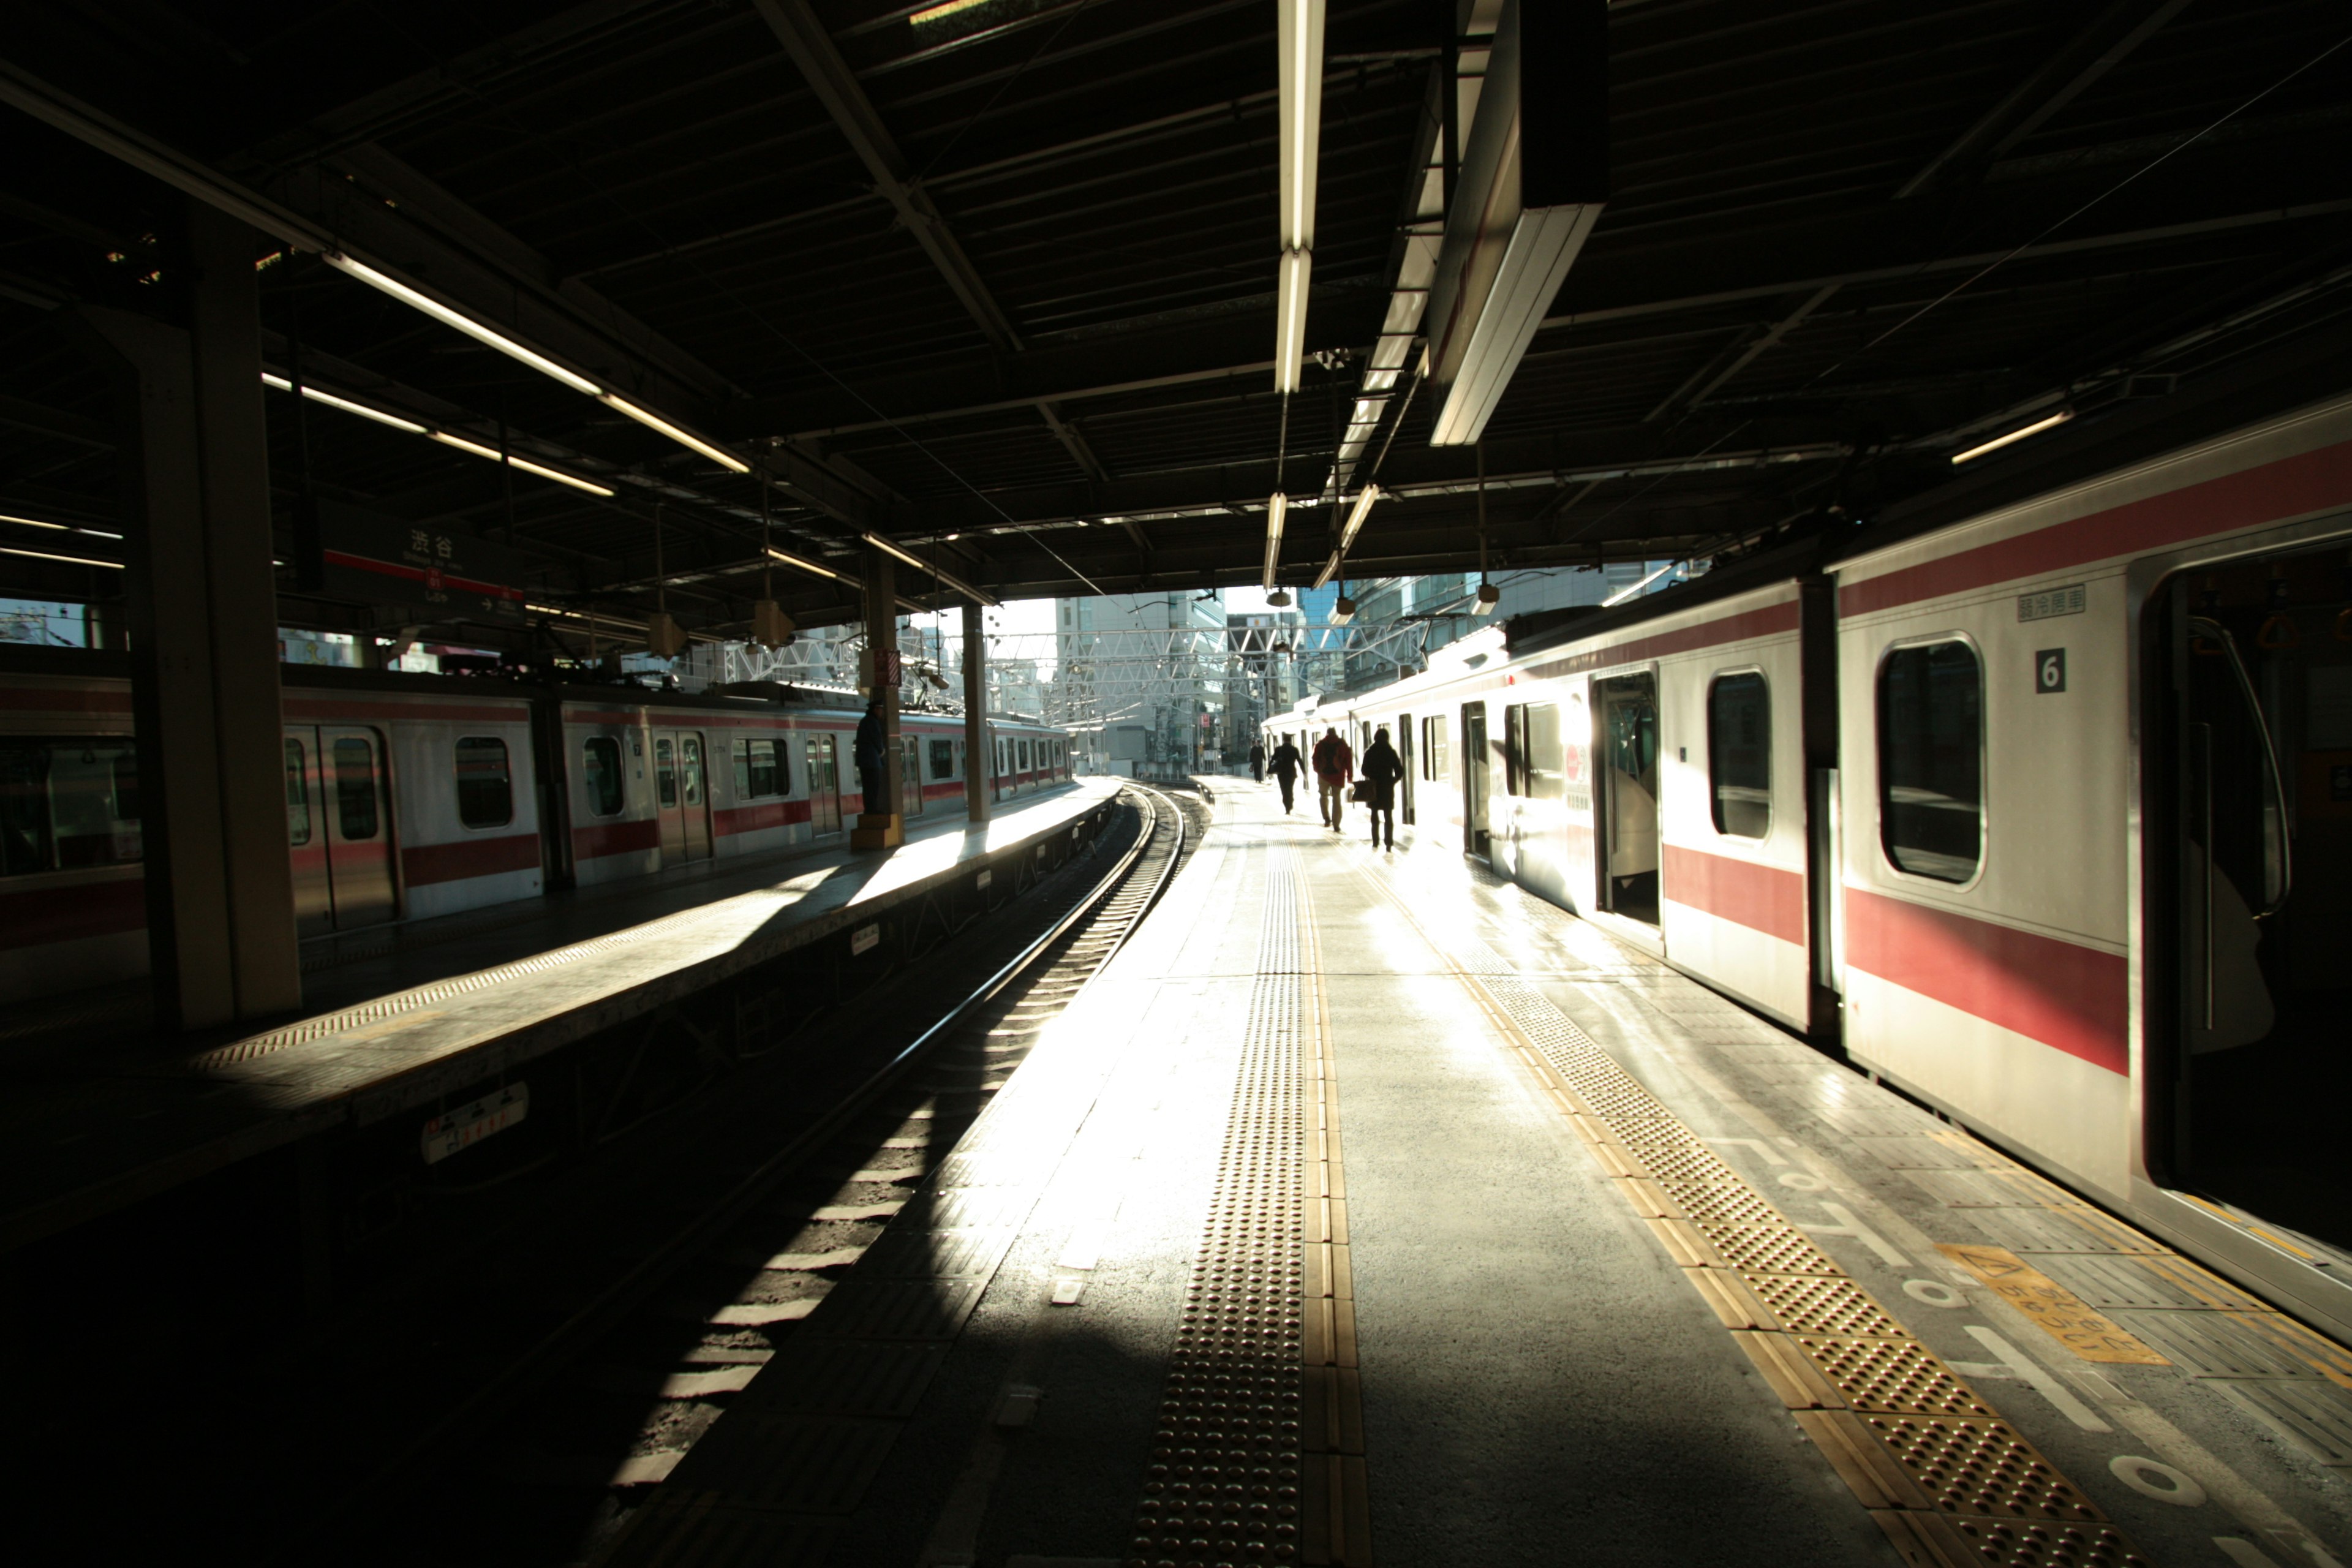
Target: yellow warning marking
(2056, 1311)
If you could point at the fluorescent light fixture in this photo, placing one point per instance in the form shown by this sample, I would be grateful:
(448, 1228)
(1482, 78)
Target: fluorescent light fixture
(69, 559)
(940, 13)
(525, 464)
(1274, 507)
(1998, 442)
(1362, 509)
(1534, 177)
(797, 564)
(1621, 594)
(1290, 319)
(346, 404)
(725, 459)
(919, 564)
(878, 542)
(459, 319)
(1299, 52)
(35, 522)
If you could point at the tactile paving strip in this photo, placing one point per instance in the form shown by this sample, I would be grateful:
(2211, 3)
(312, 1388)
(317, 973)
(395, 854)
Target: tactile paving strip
(1224, 1481)
(1992, 1501)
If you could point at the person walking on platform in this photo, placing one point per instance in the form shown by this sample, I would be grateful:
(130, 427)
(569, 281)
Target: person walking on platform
(869, 753)
(1383, 769)
(1288, 764)
(1335, 768)
(1257, 761)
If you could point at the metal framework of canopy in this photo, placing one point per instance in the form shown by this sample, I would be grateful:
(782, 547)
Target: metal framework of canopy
(997, 283)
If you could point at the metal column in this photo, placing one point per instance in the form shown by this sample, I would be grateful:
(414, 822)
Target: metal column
(883, 829)
(978, 758)
(202, 603)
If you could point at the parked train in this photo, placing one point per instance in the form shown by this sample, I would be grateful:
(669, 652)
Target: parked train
(412, 795)
(2041, 810)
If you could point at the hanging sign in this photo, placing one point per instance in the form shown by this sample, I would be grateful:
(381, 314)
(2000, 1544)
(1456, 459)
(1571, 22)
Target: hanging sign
(441, 574)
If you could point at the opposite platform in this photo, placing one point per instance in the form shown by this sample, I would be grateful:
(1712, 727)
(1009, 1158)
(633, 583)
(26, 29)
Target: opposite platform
(409, 1025)
(1368, 1206)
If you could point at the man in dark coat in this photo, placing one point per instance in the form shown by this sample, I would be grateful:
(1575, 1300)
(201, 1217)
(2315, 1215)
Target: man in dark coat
(1383, 769)
(1286, 764)
(1257, 761)
(1335, 769)
(870, 753)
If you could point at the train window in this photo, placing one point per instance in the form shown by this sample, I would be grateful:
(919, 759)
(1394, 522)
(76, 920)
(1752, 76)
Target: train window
(1931, 760)
(666, 772)
(297, 796)
(760, 769)
(354, 767)
(942, 759)
(68, 805)
(600, 770)
(1023, 765)
(485, 787)
(1739, 754)
(1434, 759)
(1540, 776)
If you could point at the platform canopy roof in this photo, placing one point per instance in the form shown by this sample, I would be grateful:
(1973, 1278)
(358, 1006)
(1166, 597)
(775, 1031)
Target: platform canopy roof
(996, 280)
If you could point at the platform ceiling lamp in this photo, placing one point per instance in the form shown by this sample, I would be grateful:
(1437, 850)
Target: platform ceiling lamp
(770, 627)
(1299, 54)
(1534, 176)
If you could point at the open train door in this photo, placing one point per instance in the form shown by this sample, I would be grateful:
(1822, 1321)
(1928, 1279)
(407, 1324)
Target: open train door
(2248, 837)
(1476, 770)
(1627, 724)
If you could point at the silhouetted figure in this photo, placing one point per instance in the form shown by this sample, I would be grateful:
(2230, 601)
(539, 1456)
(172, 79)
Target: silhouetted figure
(1383, 769)
(1288, 765)
(1335, 767)
(1257, 761)
(870, 753)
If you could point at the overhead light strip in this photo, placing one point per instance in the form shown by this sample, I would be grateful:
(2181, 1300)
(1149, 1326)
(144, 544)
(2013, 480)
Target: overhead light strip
(1275, 507)
(1998, 442)
(1299, 50)
(410, 426)
(798, 564)
(919, 564)
(493, 338)
(69, 559)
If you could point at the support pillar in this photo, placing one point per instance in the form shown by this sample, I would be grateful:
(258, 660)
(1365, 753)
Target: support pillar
(203, 610)
(979, 756)
(883, 829)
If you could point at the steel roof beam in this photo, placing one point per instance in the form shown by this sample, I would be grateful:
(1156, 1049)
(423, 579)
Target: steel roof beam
(804, 37)
(2088, 56)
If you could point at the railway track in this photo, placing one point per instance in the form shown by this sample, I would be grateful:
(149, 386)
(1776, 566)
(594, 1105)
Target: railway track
(569, 1428)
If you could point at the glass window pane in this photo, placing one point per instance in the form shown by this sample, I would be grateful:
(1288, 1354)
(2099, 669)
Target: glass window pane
(600, 768)
(485, 788)
(743, 790)
(1931, 760)
(1739, 754)
(760, 768)
(298, 796)
(354, 766)
(690, 749)
(1543, 753)
(666, 772)
(24, 807)
(942, 759)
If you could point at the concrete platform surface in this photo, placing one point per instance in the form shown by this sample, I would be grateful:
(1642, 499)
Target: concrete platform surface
(1366, 1207)
(426, 1011)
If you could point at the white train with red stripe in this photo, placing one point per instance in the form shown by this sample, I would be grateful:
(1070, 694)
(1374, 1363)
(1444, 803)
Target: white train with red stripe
(409, 796)
(2042, 812)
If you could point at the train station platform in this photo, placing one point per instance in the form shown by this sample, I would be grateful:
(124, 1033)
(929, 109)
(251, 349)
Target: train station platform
(1365, 1208)
(400, 1017)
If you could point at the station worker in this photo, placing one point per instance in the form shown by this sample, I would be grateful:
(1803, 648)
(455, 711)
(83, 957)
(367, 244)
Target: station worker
(1334, 765)
(869, 753)
(1383, 769)
(1288, 764)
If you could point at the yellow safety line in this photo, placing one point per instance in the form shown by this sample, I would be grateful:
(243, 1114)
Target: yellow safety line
(1951, 1484)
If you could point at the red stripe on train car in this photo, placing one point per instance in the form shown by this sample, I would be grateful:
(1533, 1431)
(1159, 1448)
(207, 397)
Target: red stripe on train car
(425, 864)
(1761, 898)
(2307, 482)
(339, 712)
(2073, 998)
(1768, 621)
(65, 699)
(38, 917)
(757, 819)
(616, 838)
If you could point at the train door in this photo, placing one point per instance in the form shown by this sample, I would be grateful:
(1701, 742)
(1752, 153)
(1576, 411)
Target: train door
(682, 791)
(1404, 760)
(2255, 731)
(339, 829)
(823, 784)
(1475, 769)
(1628, 786)
(910, 775)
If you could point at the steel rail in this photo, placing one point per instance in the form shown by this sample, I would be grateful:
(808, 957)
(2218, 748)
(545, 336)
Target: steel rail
(623, 1295)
